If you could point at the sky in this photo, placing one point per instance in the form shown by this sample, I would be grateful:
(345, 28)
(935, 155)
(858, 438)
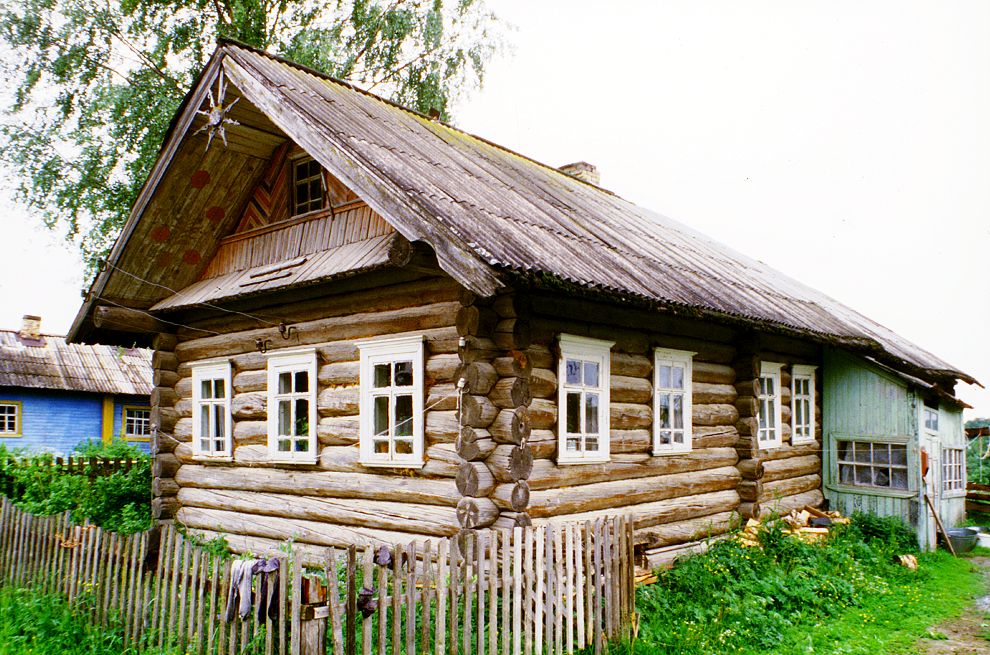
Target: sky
(846, 144)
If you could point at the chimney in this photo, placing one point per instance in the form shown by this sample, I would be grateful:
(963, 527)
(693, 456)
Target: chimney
(582, 170)
(30, 328)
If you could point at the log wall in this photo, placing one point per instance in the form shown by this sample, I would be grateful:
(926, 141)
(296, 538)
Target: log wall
(336, 500)
(786, 477)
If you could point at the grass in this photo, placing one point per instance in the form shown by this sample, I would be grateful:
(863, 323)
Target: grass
(847, 595)
(32, 623)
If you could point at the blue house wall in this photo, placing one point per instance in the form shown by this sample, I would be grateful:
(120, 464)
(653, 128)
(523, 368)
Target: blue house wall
(57, 421)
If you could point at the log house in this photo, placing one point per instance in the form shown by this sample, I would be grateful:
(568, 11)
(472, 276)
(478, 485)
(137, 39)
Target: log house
(370, 326)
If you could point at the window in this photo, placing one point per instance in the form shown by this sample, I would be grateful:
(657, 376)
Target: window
(292, 407)
(671, 401)
(768, 432)
(929, 418)
(802, 404)
(583, 406)
(307, 185)
(10, 418)
(873, 464)
(211, 410)
(953, 470)
(392, 401)
(137, 423)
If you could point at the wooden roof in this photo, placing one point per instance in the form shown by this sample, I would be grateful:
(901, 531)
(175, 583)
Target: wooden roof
(51, 363)
(489, 214)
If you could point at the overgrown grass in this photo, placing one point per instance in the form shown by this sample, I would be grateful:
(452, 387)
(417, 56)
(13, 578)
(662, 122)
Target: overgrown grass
(847, 595)
(32, 623)
(119, 502)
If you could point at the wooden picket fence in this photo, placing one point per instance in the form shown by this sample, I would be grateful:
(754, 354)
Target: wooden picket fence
(553, 589)
(978, 498)
(92, 466)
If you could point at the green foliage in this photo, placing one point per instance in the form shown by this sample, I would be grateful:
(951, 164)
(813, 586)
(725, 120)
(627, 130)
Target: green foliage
(977, 465)
(44, 624)
(735, 599)
(120, 501)
(95, 84)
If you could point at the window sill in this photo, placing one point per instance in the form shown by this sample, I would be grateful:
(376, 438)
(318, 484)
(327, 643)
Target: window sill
(584, 460)
(300, 461)
(666, 452)
(213, 458)
(803, 442)
(958, 493)
(391, 465)
(873, 491)
(771, 446)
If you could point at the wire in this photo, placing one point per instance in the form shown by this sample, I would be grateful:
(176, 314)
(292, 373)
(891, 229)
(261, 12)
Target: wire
(254, 317)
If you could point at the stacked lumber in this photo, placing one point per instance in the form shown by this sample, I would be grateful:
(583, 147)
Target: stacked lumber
(808, 524)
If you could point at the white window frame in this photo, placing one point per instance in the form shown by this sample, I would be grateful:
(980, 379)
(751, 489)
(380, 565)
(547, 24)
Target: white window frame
(146, 421)
(770, 370)
(212, 371)
(803, 372)
(588, 350)
(18, 428)
(953, 486)
(389, 350)
(925, 410)
(292, 362)
(669, 357)
(296, 181)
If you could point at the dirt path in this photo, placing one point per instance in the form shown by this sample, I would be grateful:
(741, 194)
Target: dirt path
(970, 633)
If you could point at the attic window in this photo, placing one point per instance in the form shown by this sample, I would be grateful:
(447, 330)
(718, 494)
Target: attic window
(307, 183)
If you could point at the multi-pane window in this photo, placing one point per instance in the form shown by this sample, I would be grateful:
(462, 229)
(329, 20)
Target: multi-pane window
(137, 423)
(872, 464)
(10, 419)
(583, 401)
(307, 186)
(211, 410)
(392, 401)
(802, 404)
(929, 417)
(953, 470)
(671, 401)
(292, 407)
(768, 430)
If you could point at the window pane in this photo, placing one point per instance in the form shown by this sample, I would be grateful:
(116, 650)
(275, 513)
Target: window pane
(403, 416)
(218, 421)
(302, 417)
(381, 415)
(573, 412)
(403, 447)
(678, 412)
(572, 444)
(380, 447)
(591, 374)
(899, 479)
(846, 474)
(679, 437)
(771, 414)
(403, 374)
(862, 452)
(881, 454)
(664, 377)
(218, 388)
(678, 377)
(302, 381)
(383, 375)
(284, 417)
(663, 410)
(285, 383)
(204, 445)
(302, 445)
(206, 389)
(864, 475)
(573, 371)
(591, 413)
(664, 437)
(218, 446)
(898, 454)
(591, 444)
(283, 445)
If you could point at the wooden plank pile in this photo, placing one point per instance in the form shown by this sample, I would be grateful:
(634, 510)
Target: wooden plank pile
(809, 525)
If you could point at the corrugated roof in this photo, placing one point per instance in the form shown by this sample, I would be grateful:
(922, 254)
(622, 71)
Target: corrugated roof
(471, 199)
(51, 363)
(350, 259)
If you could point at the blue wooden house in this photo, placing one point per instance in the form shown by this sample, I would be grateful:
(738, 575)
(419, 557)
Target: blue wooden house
(54, 395)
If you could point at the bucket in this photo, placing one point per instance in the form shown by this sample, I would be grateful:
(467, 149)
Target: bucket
(963, 539)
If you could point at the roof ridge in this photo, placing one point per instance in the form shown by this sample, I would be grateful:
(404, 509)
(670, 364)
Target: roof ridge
(221, 41)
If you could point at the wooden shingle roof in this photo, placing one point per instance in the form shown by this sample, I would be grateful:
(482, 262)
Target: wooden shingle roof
(491, 214)
(51, 363)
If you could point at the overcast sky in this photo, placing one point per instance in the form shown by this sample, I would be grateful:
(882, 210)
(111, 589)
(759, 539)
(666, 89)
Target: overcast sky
(845, 143)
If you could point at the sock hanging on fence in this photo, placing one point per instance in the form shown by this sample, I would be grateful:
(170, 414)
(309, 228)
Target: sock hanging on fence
(239, 596)
(269, 597)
